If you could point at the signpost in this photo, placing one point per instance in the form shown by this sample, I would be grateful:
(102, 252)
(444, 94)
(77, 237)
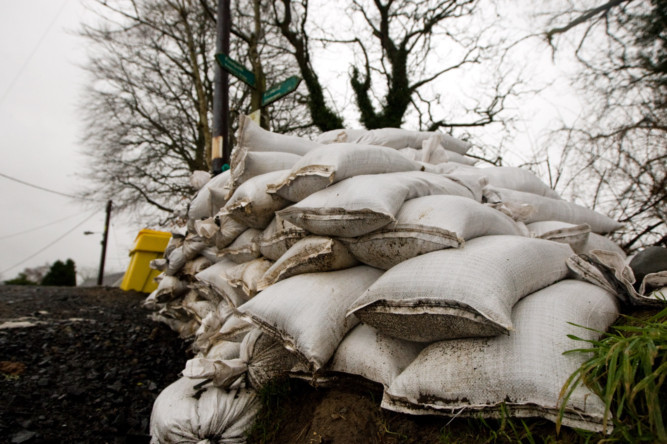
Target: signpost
(280, 90)
(236, 69)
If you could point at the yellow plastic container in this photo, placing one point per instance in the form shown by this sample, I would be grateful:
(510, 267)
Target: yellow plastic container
(148, 245)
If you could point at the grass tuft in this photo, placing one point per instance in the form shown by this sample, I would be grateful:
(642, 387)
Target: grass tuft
(627, 368)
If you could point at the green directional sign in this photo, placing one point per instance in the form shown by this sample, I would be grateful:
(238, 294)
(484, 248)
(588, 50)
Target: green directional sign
(280, 90)
(236, 69)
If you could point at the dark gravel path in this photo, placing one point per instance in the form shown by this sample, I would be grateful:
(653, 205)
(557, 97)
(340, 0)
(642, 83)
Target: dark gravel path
(87, 370)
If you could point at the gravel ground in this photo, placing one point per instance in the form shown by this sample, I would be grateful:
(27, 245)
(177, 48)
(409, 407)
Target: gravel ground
(81, 365)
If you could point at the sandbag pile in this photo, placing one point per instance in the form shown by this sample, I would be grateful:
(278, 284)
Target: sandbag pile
(384, 254)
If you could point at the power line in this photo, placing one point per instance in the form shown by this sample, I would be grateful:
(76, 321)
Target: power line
(37, 228)
(34, 50)
(50, 244)
(41, 188)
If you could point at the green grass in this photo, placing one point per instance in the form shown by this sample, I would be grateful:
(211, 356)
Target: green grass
(627, 368)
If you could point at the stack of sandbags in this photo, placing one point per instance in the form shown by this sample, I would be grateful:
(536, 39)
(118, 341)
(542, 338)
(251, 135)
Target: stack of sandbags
(373, 253)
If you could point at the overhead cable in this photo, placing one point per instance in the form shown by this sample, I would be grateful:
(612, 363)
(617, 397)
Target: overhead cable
(52, 243)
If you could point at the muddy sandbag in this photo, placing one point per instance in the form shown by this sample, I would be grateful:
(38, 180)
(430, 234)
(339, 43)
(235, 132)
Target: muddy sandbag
(244, 248)
(169, 288)
(279, 237)
(252, 205)
(519, 375)
(545, 208)
(192, 245)
(200, 263)
(579, 237)
(210, 325)
(426, 224)
(576, 236)
(210, 198)
(220, 230)
(186, 413)
(307, 312)
(458, 293)
(610, 271)
(215, 278)
(373, 355)
(247, 276)
(362, 204)
(229, 230)
(262, 359)
(309, 255)
(332, 163)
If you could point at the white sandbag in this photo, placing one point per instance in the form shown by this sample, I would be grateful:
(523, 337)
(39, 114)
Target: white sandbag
(183, 413)
(519, 375)
(210, 197)
(340, 136)
(244, 248)
(215, 278)
(363, 204)
(253, 137)
(426, 224)
(375, 356)
(246, 277)
(511, 178)
(279, 237)
(309, 255)
(545, 208)
(441, 155)
(458, 293)
(251, 205)
(332, 163)
(600, 242)
(412, 154)
(224, 350)
(199, 178)
(209, 327)
(248, 164)
(307, 312)
(400, 138)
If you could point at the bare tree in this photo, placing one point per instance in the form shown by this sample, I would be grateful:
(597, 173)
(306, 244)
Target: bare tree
(614, 158)
(147, 107)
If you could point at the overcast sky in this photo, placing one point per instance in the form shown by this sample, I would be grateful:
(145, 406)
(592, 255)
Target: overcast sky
(40, 85)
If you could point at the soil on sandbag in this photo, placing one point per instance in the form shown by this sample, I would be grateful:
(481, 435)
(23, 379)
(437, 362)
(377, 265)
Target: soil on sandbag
(81, 364)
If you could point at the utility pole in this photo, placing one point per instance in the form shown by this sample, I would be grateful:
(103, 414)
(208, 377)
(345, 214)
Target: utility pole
(221, 149)
(100, 275)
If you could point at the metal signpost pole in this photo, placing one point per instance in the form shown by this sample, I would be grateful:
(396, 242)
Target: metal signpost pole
(220, 151)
